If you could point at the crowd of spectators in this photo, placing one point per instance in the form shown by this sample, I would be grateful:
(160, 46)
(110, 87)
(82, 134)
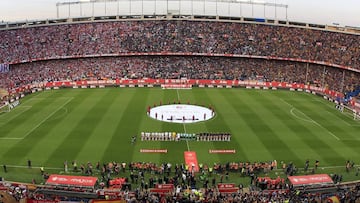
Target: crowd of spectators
(20, 47)
(171, 67)
(27, 44)
(144, 176)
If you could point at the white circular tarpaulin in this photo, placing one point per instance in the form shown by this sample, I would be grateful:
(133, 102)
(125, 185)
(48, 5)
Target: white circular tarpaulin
(181, 113)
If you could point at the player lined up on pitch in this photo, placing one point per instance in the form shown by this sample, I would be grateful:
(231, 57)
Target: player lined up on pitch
(173, 136)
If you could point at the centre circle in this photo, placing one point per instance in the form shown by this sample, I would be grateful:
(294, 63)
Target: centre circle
(181, 113)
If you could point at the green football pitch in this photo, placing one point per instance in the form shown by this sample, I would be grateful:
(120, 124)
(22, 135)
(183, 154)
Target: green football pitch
(97, 125)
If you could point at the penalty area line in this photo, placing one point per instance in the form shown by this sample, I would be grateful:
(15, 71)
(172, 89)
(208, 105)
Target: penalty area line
(46, 118)
(311, 120)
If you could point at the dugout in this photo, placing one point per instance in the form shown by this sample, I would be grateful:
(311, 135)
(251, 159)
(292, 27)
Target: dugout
(70, 186)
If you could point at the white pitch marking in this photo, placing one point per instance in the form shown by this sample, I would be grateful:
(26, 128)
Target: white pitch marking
(187, 143)
(35, 127)
(310, 119)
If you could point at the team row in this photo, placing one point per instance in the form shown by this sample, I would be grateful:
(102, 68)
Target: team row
(173, 136)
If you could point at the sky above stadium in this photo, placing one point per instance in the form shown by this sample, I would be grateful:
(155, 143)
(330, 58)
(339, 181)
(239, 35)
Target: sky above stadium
(328, 12)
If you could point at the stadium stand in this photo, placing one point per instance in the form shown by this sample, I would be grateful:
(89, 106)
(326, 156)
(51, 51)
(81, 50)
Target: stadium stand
(95, 39)
(173, 49)
(84, 45)
(106, 68)
(176, 185)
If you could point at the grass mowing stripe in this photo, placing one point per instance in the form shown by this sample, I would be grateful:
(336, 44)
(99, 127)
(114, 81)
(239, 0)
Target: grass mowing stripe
(192, 97)
(254, 146)
(291, 128)
(147, 124)
(89, 108)
(314, 116)
(58, 127)
(259, 120)
(119, 147)
(47, 117)
(13, 114)
(314, 139)
(197, 96)
(333, 116)
(245, 136)
(17, 127)
(40, 145)
(343, 132)
(345, 149)
(24, 146)
(217, 124)
(187, 142)
(329, 106)
(175, 149)
(313, 121)
(101, 134)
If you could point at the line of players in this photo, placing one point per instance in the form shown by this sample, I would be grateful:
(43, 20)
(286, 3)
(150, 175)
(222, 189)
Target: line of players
(214, 137)
(164, 136)
(173, 136)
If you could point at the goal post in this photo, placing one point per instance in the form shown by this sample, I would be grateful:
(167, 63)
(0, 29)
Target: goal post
(353, 112)
(356, 115)
(8, 106)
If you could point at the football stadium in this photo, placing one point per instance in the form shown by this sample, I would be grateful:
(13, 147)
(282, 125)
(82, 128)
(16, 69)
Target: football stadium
(179, 107)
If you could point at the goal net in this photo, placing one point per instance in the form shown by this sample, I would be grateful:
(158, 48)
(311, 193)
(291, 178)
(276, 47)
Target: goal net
(351, 112)
(4, 108)
(8, 106)
(356, 115)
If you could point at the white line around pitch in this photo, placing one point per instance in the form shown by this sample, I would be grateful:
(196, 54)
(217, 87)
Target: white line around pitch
(310, 119)
(18, 166)
(11, 138)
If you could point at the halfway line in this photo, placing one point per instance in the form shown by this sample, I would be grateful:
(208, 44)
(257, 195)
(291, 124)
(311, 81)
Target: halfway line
(187, 143)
